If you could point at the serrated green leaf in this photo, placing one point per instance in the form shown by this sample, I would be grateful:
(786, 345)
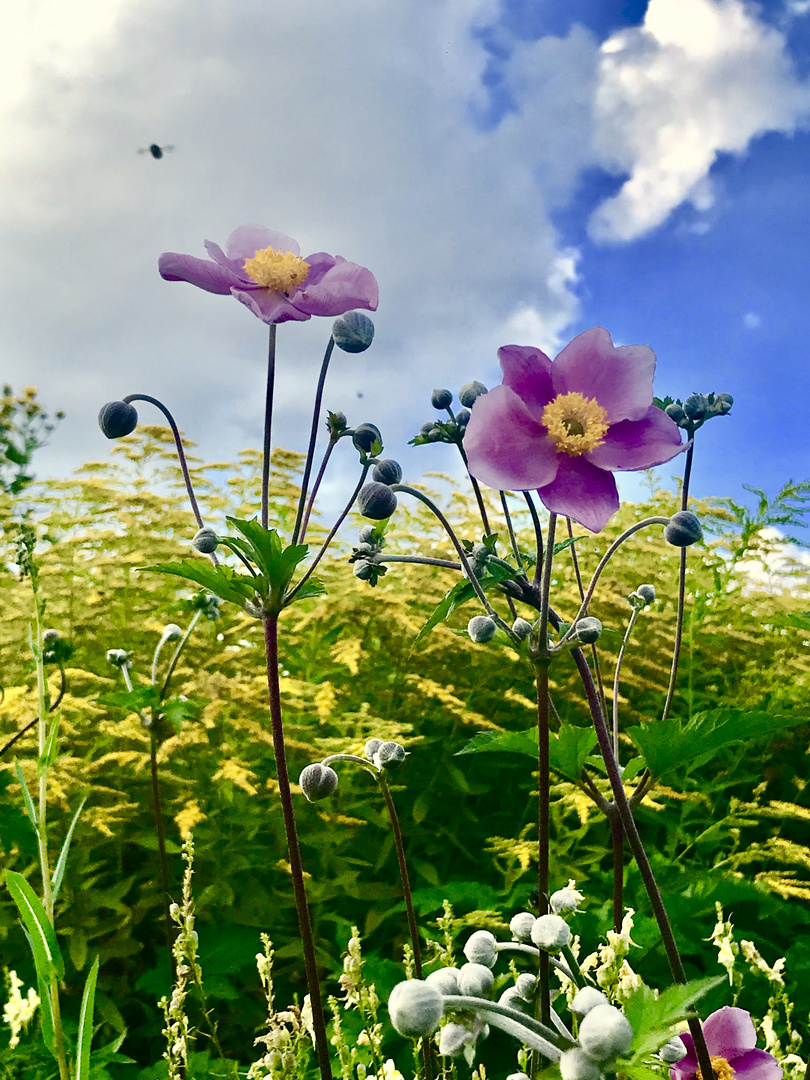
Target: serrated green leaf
(61, 862)
(86, 1024)
(566, 543)
(568, 749)
(47, 957)
(134, 700)
(276, 563)
(515, 742)
(652, 1018)
(633, 768)
(461, 592)
(176, 710)
(220, 580)
(312, 587)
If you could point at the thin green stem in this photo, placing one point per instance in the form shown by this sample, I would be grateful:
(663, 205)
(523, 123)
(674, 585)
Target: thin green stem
(676, 653)
(160, 830)
(573, 966)
(313, 438)
(330, 446)
(268, 424)
(616, 677)
(176, 655)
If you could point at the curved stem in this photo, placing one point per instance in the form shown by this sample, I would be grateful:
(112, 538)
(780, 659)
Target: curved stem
(534, 1034)
(313, 438)
(538, 535)
(157, 814)
(268, 424)
(403, 872)
(616, 678)
(330, 446)
(424, 560)
(19, 735)
(476, 490)
(531, 950)
(510, 528)
(62, 688)
(176, 655)
(296, 868)
(581, 587)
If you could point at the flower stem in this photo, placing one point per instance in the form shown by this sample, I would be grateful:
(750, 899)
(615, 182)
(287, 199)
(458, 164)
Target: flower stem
(313, 438)
(157, 813)
(268, 424)
(330, 446)
(676, 653)
(616, 678)
(296, 867)
(617, 845)
(543, 789)
(538, 536)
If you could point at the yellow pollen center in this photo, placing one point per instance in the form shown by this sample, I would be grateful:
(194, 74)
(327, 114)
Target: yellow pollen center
(576, 424)
(722, 1069)
(279, 271)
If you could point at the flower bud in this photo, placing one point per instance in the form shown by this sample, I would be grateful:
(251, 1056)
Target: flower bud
(480, 948)
(724, 403)
(683, 529)
(365, 570)
(646, 593)
(371, 748)
(444, 979)
(564, 900)
(50, 636)
(318, 782)
(452, 1039)
(117, 419)
(521, 628)
(481, 629)
(605, 1032)
(475, 980)
(587, 630)
(118, 657)
(517, 1076)
(366, 535)
(426, 429)
(470, 392)
(576, 1065)
(389, 755)
(675, 412)
(550, 933)
(586, 999)
(441, 399)
(205, 540)
(672, 1050)
(521, 925)
(415, 1008)
(696, 406)
(513, 1000)
(435, 434)
(336, 423)
(387, 471)
(365, 436)
(376, 501)
(172, 632)
(463, 417)
(353, 332)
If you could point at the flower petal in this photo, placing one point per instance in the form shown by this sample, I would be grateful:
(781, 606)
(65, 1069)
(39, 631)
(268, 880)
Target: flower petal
(506, 448)
(639, 444)
(620, 379)
(216, 253)
(686, 1068)
(270, 307)
(729, 1032)
(756, 1065)
(528, 372)
(246, 240)
(335, 286)
(200, 272)
(582, 492)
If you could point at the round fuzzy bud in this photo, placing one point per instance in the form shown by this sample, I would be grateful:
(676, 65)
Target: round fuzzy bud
(550, 933)
(521, 628)
(364, 570)
(672, 1050)
(118, 657)
(564, 900)
(463, 417)
(117, 419)
(353, 332)
(366, 535)
(646, 593)
(318, 782)
(513, 1000)
(605, 1032)
(517, 1076)
(426, 429)
(441, 399)
(172, 632)
(683, 529)
(376, 501)
(525, 985)
(481, 629)
(696, 406)
(480, 948)
(50, 636)
(675, 412)
(365, 435)
(389, 755)
(415, 1008)
(435, 434)
(587, 630)
(387, 472)
(371, 748)
(586, 999)
(576, 1065)
(724, 403)
(520, 926)
(475, 980)
(205, 540)
(452, 1039)
(470, 392)
(444, 979)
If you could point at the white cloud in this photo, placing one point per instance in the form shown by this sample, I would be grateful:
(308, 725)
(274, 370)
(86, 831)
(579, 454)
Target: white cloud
(752, 321)
(697, 78)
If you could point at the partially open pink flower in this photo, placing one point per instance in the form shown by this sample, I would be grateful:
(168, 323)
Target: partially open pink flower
(564, 427)
(731, 1040)
(264, 270)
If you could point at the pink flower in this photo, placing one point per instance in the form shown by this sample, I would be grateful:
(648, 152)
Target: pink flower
(731, 1040)
(564, 427)
(264, 270)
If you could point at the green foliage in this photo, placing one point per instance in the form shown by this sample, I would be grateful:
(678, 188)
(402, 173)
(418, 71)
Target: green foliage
(24, 428)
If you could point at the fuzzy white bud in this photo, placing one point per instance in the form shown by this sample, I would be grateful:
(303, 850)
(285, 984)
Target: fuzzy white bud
(551, 933)
(605, 1032)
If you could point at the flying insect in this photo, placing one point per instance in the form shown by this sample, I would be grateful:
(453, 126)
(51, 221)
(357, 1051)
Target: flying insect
(156, 151)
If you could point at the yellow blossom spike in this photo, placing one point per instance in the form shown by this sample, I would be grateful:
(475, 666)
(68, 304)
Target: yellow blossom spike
(576, 424)
(276, 270)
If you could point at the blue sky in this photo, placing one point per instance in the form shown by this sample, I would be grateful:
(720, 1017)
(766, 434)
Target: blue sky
(513, 171)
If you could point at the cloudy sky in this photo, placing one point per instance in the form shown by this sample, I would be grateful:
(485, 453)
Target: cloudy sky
(513, 171)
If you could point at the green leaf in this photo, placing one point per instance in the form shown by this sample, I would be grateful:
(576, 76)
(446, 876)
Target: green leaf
(86, 1024)
(220, 580)
(515, 742)
(176, 710)
(461, 592)
(568, 749)
(45, 760)
(61, 862)
(652, 1018)
(134, 700)
(29, 802)
(633, 767)
(276, 563)
(47, 957)
(312, 587)
(563, 544)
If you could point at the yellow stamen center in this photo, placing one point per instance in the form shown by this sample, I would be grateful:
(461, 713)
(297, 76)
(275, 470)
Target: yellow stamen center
(722, 1069)
(279, 271)
(575, 423)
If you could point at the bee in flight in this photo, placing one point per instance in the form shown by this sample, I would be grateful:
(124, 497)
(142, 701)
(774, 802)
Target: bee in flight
(156, 151)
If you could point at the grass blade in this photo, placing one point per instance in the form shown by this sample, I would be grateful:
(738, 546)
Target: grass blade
(86, 1024)
(47, 957)
(61, 862)
(29, 802)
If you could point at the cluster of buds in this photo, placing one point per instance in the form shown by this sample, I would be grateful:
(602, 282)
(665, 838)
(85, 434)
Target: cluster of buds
(695, 410)
(643, 596)
(452, 429)
(319, 780)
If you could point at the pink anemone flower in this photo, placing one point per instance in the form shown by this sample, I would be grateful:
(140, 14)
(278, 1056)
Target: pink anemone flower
(731, 1040)
(563, 428)
(264, 271)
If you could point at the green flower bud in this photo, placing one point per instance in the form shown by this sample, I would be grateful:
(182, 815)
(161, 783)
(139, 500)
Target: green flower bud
(576, 1065)
(441, 399)
(646, 593)
(376, 501)
(675, 412)
(371, 748)
(205, 540)
(521, 925)
(118, 657)
(586, 999)
(605, 1032)
(724, 403)
(365, 436)
(525, 985)
(444, 979)
(522, 628)
(353, 332)
(696, 407)
(475, 980)
(336, 424)
(587, 630)
(117, 419)
(672, 1050)
(463, 417)
(512, 998)
(426, 429)
(387, 471)
(683, 529)
(550, 933)
(172, 632)
(480, 948)
(481, 629)
(564, 900)
(470, 392)
(318, 782)
(365, 570)
(415, 1008)
(367, 535)
(389, 755)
